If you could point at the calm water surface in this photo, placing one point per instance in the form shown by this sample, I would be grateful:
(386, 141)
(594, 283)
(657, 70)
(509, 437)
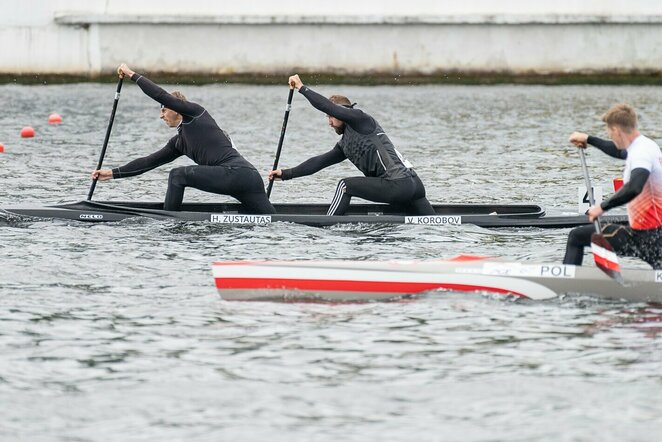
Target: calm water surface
(114, 332)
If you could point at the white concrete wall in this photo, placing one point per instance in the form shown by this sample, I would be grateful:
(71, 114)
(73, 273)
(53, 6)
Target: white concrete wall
(342, 36)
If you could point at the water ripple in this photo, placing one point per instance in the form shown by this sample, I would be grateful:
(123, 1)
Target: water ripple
(115, 331)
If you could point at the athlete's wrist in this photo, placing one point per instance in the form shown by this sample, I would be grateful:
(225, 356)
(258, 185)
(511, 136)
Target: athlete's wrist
(286, 174)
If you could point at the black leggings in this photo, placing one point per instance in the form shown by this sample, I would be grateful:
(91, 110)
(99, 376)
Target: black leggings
(242, 183)
(406, 191)
(626, 241)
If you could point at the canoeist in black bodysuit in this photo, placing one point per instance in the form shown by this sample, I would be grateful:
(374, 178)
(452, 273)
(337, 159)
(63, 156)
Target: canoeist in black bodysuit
(389, 178)
(220, 167)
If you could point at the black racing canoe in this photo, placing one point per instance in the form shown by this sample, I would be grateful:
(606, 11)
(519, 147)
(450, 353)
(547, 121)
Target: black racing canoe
(483, 215)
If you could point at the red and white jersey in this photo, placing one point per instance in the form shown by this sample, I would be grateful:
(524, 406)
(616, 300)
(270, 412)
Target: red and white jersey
(645, 211)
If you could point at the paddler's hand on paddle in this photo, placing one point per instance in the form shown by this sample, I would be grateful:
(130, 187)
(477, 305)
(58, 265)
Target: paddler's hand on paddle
(102, 175)
(579, 139)
(123, 70)
(275, 174)
(295, 82)
(594, 212)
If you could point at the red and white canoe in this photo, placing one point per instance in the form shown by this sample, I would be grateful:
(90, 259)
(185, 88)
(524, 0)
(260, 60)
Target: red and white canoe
(383, 280)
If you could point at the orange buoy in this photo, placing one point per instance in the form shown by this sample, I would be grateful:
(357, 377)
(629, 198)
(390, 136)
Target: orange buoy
(2, 147)
(54, 119)
(27, 132)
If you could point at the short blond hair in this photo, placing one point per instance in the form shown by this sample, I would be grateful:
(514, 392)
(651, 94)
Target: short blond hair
(179, 95)
(622, 115)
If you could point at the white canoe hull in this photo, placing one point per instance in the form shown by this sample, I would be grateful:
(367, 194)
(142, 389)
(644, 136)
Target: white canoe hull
(374, 281)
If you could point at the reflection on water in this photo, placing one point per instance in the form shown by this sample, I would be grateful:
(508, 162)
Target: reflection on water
(115, 332)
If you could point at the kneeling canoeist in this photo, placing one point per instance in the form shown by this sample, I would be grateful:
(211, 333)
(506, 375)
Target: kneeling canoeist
(642, 192)
(389, 178)
(220, 167)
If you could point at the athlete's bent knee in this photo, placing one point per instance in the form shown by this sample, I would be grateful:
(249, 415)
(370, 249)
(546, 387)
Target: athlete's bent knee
(177, 176)
(580, 236)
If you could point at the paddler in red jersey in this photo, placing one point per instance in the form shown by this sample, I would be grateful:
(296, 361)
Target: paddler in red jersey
(642, 192)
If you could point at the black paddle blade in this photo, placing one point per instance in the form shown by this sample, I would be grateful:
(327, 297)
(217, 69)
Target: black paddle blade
(605, 257)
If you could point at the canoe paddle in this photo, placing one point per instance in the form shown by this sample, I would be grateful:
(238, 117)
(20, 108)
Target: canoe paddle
(282, 137)
(105, 141)
(603, 253)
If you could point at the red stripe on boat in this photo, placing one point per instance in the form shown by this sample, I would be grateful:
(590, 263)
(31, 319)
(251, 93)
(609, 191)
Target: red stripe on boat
(463, 258)
(349, 286)
(604, 262)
